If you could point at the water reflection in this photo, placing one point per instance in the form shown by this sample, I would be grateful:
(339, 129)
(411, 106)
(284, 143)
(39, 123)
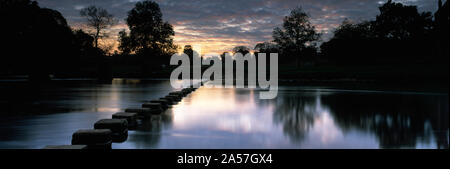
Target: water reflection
(297, 114)
(398, 120)
(48, 115)
(148, 132)
(313, 118)
(300, 117)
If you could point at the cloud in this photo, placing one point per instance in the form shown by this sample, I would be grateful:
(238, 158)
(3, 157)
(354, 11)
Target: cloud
(220, 25)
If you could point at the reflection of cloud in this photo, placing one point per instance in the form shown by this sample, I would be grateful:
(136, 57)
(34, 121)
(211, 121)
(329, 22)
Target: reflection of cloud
(220, 25)
(304, 116)
(79, 7)
(246, 123)
(108, 109)
(218, 109)
(326, 129)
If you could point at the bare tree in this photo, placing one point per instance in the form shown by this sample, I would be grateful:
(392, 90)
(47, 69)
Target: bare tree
(99, 19)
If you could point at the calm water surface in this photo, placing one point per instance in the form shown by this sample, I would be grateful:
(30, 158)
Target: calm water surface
(300, 117)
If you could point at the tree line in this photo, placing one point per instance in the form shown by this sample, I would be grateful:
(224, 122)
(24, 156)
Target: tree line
(399, 35)
(38, 41)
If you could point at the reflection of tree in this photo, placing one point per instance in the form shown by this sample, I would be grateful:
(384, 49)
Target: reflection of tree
(296, 114)
(397, 120)
(149, 130)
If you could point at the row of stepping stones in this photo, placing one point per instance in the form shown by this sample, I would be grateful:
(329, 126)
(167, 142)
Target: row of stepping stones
(115, 130)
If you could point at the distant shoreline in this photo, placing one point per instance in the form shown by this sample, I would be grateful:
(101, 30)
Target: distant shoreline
(344, 83)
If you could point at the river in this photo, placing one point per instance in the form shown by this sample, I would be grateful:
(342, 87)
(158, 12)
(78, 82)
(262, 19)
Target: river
(300, 117)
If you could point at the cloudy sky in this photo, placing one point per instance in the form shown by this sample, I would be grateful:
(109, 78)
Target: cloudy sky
(219, 25)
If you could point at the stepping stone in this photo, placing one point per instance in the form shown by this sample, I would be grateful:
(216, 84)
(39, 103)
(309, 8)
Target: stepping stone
(187, 90)
(178, 93)
(174, 98)
(136, 110)
(180, 96)
(164, 103)
(119, 128)
(184, 92)
(130, 117)
(66, 147)
(93, 138)
(144, 112)
(170, 101)
(152, 105)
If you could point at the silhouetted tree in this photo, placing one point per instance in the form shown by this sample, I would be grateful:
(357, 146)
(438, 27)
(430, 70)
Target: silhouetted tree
(440, 33)
(266, 47)
(35, 40)
(38, 42)
(149, 35)
(402, 22)
(189, 51)
(222, 59)
(351, 43)
(241, 49)
(87, 53)
(398, 35)
(295, 35)
(125, 42)
(99, 19)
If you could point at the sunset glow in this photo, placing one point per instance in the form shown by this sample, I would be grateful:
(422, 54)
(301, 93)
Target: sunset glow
(218, 26)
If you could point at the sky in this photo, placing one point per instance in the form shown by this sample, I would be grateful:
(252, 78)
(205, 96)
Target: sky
(215, 26)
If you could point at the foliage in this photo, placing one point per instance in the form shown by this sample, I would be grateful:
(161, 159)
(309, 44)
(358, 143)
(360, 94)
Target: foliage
(37, 41)
(296, 35)
(99, 19)
(241, 49)
(399, 34)
(149, 34)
